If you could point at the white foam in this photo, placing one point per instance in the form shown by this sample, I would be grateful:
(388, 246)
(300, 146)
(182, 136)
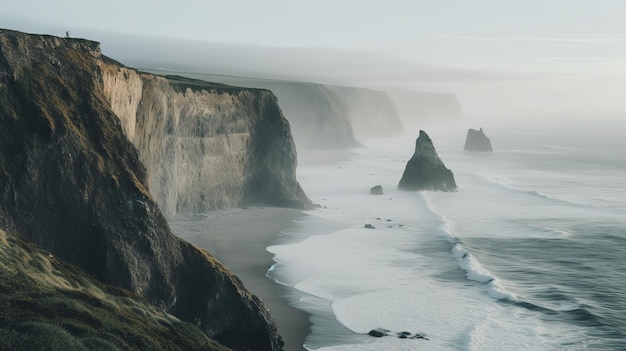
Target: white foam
(406, 275)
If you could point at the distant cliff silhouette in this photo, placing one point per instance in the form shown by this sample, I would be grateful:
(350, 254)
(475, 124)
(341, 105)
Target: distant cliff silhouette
(476, 140)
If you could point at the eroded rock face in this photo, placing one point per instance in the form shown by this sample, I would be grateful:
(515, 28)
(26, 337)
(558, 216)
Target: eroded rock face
(477, 141)
(425, 170)
(72, 182)
(205, 146)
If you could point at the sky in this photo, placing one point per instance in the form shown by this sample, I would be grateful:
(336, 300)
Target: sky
(501, 57)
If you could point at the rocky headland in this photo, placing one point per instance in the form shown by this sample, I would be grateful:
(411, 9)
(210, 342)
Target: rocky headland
(425, 170)
(205, 145)
(326, 116)
(476, 140)
(75, 131)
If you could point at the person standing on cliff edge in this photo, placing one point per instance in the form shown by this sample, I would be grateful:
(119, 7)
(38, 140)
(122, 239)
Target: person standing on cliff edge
(67, 34)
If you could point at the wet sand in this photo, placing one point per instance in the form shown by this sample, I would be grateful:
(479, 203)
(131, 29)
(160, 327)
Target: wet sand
(238, 238)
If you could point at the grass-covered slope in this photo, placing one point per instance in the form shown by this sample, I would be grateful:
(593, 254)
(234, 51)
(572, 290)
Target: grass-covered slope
(48, 304)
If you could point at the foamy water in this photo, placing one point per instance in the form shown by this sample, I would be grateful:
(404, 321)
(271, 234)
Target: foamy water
(436, 263)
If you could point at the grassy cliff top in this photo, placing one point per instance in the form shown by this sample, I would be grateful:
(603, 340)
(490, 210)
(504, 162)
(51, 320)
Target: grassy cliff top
(48, 304)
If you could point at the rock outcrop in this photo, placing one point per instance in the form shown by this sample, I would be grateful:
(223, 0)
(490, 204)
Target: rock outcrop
(205, 145)
(72, 183)
(425, 170)
(477, 141)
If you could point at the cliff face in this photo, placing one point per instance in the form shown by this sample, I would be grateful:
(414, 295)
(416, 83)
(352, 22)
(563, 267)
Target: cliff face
(371, 112)
(425, 170)
(327, 116)
(71, 182)
(205, 146)
(416, 108)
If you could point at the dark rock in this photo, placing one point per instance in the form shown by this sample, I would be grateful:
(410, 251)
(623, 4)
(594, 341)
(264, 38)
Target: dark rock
(379, 332)
(477, 141)
(404, 334)
(73, 183)
(369, 226)
(377, 190)
(425, 170)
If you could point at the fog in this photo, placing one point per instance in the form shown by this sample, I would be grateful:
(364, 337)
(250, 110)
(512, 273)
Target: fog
(532, 59)
(579, 89)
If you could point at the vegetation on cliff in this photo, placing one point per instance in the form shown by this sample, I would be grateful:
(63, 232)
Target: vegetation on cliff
(48, 304)
(72, 183)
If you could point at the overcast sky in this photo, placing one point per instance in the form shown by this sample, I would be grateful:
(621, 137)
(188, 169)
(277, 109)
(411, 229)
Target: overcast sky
(498, 56)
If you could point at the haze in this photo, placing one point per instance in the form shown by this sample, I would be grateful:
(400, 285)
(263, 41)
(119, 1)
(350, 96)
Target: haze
(501, 58)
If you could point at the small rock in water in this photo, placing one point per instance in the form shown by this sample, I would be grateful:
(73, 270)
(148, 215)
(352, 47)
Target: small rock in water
(377, 190)
(369, 226)
(379, 332)
(404, 334)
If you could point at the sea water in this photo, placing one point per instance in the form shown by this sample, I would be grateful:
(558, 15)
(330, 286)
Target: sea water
(528, 254)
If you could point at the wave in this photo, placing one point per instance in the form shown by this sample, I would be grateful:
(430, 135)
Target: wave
(466, 261)
(508, 185)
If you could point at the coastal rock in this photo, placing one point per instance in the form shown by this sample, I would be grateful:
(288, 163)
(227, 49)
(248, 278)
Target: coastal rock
(369, 226)
(476, 140)
(72, 183)
(378, 333)
(425, 170)
(205, 146)
(377, 190)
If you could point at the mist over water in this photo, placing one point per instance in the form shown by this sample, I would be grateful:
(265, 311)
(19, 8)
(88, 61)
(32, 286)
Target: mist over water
(526, 255)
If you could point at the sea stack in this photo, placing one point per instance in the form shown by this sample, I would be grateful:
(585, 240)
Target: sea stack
(477, 141)
(425, 170)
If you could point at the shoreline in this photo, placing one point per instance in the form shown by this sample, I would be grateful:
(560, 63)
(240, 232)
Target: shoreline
(239, 238)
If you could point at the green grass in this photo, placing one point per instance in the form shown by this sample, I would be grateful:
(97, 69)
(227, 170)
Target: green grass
(48, 304)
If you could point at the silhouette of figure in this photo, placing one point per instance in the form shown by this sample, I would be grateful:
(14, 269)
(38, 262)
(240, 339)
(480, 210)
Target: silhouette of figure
(67, 34)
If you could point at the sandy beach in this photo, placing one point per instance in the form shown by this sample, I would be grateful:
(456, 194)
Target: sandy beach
(239, 238)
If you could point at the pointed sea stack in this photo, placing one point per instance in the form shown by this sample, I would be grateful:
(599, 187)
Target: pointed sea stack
(477, 141)
(425, 170)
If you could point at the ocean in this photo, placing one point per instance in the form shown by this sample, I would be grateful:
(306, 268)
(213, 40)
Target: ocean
(528, 254)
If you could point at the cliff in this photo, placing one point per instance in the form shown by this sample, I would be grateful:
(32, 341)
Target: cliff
(425, 170)
(476, 140)
(205, 145)
(319, 118)
(73, 183)
(416, 108)
(86, 314)
(327, 116)
(372, 113)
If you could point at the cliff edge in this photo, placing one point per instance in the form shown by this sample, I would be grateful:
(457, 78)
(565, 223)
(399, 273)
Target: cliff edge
(205, 145)
(72, 183)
